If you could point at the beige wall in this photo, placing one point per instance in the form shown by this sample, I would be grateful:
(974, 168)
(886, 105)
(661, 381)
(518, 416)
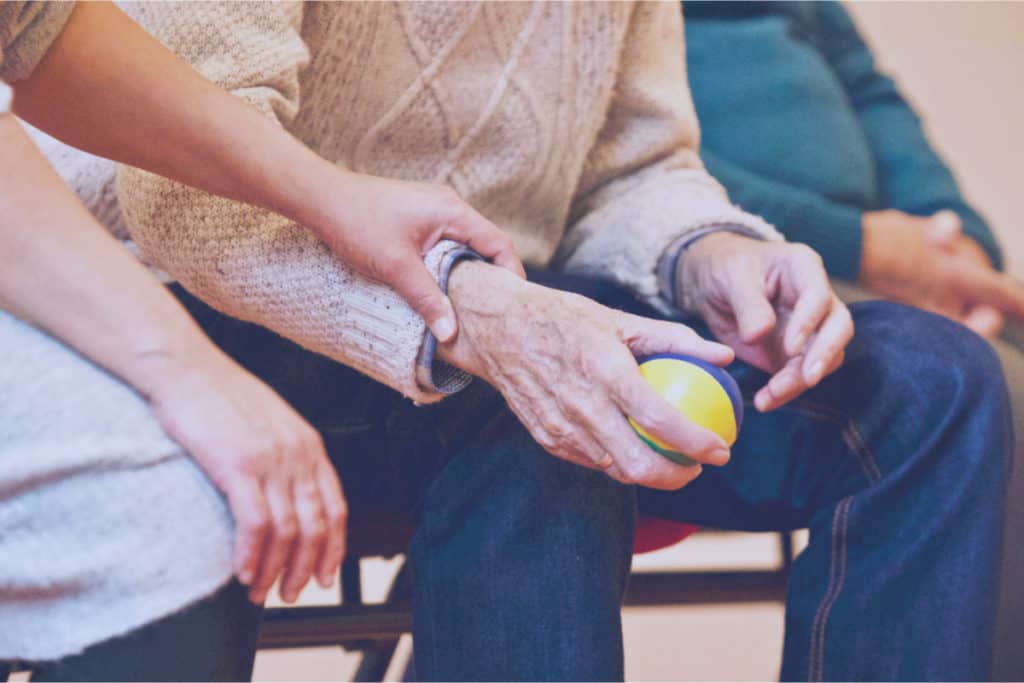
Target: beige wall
(962, 65)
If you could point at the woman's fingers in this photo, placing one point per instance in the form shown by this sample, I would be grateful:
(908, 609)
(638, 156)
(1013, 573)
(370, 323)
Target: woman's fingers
(252, 524)
(309, 543)
(336, 516)
(469, 227)
(407, 275)
(281, 537)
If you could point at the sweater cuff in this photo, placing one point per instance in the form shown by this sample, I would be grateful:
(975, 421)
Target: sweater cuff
(433, 374)
(27, 29)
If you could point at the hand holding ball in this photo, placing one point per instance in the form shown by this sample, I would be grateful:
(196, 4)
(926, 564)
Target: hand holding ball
(706, 394)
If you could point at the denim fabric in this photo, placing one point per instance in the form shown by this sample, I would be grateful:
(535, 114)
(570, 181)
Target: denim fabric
(897, 463)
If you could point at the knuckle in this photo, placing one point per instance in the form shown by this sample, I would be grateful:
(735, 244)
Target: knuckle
(337, 516)
(287, 528)
(546, 441)
(805, 253)
(317, 529)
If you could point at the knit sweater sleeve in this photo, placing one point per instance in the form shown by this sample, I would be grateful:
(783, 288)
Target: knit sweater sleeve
(643, 185)
(250, 263)
(27, 29)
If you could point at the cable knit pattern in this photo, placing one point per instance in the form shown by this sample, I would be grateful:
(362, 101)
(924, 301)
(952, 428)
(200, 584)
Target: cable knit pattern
(569, 125)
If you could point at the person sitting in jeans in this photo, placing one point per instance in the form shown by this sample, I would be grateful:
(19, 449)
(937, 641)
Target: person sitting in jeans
(802, 128)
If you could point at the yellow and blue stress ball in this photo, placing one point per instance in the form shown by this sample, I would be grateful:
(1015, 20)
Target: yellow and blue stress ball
(704, 393)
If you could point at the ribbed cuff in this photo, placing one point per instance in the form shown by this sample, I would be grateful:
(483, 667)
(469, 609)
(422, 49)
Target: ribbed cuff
(433, 374)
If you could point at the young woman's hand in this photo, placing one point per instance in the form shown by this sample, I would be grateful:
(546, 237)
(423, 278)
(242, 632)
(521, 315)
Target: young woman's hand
(284, 494)
(383, 227)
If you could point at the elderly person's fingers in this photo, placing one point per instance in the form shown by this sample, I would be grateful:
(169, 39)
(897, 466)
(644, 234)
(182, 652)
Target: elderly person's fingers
(637, 399)
(646, 336)
(785, 385)
(828, 343)
(754, 314)
(633, 461)
(809, 289)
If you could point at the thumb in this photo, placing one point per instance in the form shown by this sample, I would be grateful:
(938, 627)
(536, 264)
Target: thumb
(754, 314)
(419, 289)
(986, 321)
(943, 229)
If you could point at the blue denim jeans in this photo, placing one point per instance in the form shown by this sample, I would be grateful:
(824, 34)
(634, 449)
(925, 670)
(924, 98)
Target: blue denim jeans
(897, 463)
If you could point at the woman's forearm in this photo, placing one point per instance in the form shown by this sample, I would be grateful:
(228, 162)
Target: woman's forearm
(136, 102)
(63, 272)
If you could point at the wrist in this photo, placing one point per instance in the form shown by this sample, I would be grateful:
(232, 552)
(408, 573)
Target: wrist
(316, 197)
(481, 294)
(172, 363)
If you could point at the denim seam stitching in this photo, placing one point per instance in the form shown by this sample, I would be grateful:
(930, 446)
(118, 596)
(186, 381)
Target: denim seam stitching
(852, 437)
(840, 519)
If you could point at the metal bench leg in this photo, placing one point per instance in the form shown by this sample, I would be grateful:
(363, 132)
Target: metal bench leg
(379, 655)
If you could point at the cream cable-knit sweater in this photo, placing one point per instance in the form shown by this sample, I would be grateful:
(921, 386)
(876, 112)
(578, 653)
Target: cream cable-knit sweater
(567, 124)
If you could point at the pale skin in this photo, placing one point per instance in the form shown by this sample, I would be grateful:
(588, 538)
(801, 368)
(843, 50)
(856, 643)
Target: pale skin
(566, 366)
(283, 493)
(927, 262)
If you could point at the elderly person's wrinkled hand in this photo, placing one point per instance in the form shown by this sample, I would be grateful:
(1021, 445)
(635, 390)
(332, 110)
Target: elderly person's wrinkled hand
(566, 366)
(772, 303)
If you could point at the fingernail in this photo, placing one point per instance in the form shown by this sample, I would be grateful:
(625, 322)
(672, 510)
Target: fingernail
(817, 370)
(245, 577)
(799, 341)
(720, 455)
(782, 383)
(444, 329)
(761, 402)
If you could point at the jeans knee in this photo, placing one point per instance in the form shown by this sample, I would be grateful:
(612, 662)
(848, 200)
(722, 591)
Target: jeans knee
(926, 347)
(927, 376)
